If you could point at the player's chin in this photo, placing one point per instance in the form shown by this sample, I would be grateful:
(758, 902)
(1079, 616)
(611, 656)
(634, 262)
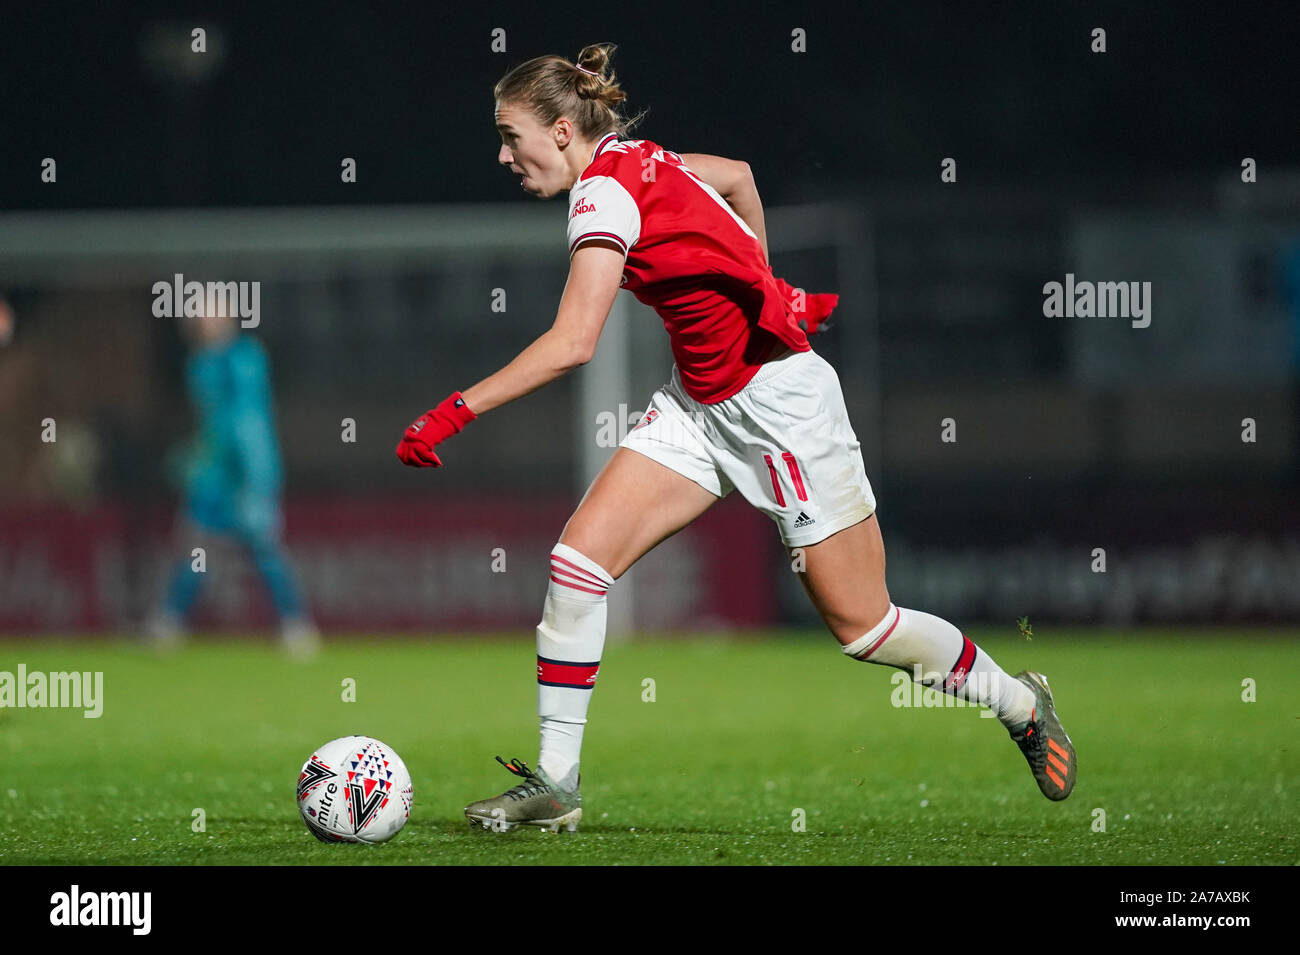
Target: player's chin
(533, 189)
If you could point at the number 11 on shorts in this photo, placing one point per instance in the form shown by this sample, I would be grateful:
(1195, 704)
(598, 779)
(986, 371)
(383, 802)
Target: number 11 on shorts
(792, 466)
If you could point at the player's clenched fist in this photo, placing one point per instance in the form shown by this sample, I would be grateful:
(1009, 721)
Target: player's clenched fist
(434, 426)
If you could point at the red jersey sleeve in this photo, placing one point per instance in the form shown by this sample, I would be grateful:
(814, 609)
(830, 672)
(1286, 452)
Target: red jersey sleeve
(600, 207)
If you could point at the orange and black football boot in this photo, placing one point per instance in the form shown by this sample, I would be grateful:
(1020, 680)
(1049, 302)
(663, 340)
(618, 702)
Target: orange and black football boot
(1044, 742)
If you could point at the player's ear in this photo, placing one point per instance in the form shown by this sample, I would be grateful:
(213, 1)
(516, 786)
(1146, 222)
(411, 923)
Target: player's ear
(564, 131)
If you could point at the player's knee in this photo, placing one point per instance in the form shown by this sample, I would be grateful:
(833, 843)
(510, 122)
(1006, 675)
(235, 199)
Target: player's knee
(573, 570)
(586, 538)
(867, 615)
(858, 643)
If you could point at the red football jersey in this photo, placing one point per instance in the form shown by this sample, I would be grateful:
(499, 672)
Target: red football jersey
(692, 259)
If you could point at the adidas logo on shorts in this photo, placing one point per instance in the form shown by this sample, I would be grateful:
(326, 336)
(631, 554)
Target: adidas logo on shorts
(803, 520)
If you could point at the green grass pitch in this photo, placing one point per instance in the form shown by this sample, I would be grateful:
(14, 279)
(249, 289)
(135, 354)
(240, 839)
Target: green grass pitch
(742, 735)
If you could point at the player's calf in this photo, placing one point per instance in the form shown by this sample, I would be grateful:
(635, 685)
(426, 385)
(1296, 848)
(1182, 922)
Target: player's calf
(946, 658)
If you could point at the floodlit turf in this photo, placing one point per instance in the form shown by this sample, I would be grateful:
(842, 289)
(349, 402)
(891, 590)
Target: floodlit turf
(744, 735)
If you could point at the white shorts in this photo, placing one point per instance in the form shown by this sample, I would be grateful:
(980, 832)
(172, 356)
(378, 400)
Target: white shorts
(784, 441)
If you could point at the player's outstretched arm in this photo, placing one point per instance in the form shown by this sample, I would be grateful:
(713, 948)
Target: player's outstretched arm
(734, 181)
(595, 273)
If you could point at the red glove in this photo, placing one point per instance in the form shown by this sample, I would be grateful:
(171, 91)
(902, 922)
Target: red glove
(432, 427)
(816, 307)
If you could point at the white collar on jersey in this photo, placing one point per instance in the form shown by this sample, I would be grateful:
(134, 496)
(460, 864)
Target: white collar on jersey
(600, 146)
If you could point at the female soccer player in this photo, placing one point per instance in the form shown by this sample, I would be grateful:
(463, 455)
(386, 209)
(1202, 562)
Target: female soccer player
(749, 407)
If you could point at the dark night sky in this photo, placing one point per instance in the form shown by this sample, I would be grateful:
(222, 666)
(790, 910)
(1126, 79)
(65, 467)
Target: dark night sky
(883, 93)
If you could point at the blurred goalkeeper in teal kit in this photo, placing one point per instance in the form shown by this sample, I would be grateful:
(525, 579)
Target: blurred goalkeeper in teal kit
(232, 478)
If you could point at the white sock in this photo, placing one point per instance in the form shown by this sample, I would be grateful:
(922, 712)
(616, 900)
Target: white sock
(570, 639)
(947, 658)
